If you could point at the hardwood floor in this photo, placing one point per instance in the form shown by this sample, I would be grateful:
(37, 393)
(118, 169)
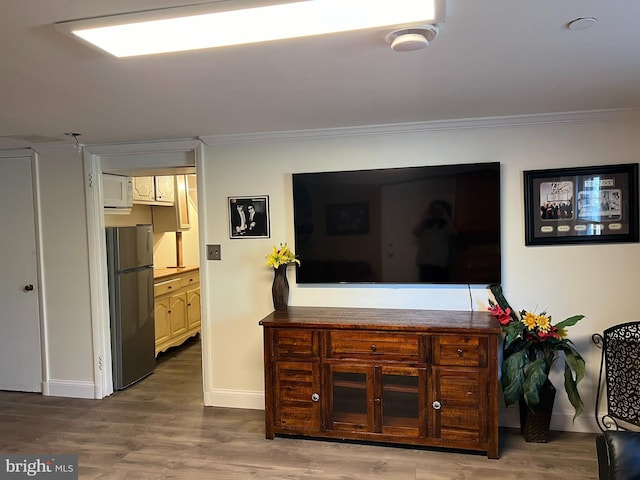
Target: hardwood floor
(159, 429)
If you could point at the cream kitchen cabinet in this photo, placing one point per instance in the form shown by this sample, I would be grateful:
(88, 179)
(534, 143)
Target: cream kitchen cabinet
(157, 190)
(177, 306)
(176, 217)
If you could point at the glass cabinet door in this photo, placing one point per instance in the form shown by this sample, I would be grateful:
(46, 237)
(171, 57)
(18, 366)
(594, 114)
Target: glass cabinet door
(402, 394)
(351, 389)
(380, 399)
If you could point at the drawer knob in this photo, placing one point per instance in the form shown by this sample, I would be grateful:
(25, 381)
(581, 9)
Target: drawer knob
(436, 405)
(459, 352)
(373, 348)
(315, 397)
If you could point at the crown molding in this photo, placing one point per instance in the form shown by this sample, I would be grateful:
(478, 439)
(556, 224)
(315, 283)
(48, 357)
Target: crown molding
(562, 118)
(16, 152)
(170, 145)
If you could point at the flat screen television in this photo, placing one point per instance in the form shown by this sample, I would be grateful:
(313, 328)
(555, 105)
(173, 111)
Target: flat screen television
(413, 225)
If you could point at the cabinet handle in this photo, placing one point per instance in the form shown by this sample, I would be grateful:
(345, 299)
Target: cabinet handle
(460, 352)
(28, 288)
(436, 405)
(373, 348)
(169, 287)
(315, 397)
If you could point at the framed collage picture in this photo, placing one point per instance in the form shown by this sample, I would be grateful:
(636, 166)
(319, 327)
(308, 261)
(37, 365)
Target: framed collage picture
(581, 205)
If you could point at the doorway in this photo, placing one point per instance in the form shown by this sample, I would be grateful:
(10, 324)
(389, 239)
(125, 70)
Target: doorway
(163, 158)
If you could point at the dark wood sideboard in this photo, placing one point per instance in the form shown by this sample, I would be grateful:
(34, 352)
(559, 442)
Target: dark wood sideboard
(419, 377)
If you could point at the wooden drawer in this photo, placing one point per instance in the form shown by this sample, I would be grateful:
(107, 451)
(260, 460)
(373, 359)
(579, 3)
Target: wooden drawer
(166, 287)
(359, 344)
(460, 350)
(190, 279)
(294, 343)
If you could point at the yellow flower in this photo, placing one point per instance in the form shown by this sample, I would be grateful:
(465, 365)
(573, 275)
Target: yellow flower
(530, 320)
(544, 323)
(281, 256)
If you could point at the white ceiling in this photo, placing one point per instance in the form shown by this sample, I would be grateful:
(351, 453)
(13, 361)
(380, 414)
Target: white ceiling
(491, 58)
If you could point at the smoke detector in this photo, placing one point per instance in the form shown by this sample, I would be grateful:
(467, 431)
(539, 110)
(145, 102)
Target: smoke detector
(409, 39)
(582, 23)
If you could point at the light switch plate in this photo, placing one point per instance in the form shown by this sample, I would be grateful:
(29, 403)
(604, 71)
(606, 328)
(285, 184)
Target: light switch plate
(213, 252)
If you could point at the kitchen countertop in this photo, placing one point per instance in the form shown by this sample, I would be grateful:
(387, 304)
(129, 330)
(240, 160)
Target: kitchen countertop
(164, 272)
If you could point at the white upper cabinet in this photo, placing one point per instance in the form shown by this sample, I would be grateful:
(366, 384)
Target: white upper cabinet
(157, 190)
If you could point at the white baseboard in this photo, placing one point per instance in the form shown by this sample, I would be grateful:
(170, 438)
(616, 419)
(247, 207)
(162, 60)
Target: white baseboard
(562, 421)
(252, 400)
(71, 389)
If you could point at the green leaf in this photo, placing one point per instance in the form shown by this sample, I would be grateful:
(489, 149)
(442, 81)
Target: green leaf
(513, 376)
(513, 332)
(571, 387)
(573, 359)
(536, 374)
(569, 322)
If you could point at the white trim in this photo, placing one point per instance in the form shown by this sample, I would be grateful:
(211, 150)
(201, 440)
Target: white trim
(205, 305)
(182, 145)
(219, 397)
(422, 127)
(560, 420)
(42, 311)
(23, 152)
(66, 388)
(99, 291)
(56, 148)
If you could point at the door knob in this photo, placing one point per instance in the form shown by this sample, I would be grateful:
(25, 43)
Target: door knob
(28, 288)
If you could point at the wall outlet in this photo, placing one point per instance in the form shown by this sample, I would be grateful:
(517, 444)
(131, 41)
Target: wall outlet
(213, 252)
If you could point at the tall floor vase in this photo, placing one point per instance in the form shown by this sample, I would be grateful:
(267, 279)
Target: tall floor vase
(280, 288)
(534, 424)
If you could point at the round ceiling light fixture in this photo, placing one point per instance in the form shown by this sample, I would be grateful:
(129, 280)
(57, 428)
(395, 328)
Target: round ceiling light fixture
(409, 39)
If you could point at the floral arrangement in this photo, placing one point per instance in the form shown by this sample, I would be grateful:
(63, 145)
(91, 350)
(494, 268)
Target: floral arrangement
(531, 346)
(281, 256)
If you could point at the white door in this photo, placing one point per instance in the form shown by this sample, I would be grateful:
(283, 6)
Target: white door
(20, 351)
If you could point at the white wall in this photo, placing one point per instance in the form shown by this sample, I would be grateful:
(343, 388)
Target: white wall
(164, 244)
(595, 280)
(66, 306)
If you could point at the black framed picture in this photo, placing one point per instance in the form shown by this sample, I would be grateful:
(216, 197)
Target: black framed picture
(348, 218)
(581, 205)
(249, 217)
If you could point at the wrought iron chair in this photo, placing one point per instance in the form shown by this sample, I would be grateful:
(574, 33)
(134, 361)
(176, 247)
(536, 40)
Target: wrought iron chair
(618, 448)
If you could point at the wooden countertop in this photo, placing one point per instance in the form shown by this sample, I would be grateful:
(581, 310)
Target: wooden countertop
(164, 272)
(436, 321)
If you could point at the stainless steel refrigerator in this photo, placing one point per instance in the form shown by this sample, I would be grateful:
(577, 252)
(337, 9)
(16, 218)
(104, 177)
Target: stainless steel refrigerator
(130, 266)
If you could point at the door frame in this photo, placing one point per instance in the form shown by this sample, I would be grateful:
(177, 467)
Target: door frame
(127, 158)
(35, 190)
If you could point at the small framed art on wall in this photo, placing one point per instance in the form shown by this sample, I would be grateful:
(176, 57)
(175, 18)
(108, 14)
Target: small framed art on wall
(581, 205)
